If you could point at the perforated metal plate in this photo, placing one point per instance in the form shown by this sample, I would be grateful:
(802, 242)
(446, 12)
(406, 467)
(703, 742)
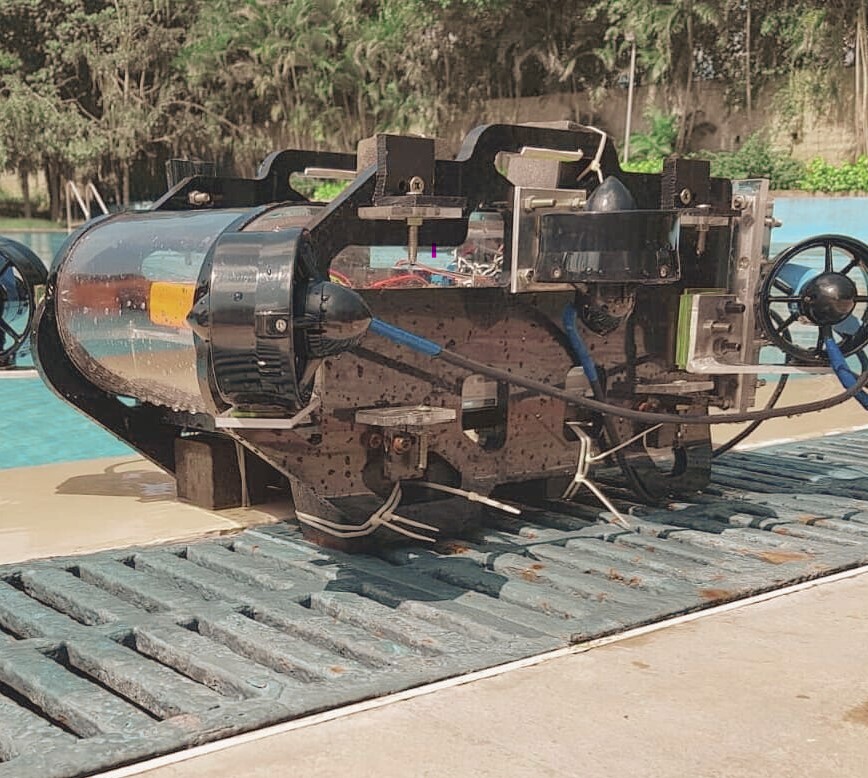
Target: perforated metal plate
(114, 657)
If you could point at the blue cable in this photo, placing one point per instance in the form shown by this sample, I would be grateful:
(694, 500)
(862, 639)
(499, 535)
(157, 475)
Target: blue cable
(580, 350)
(846, 376)
(404, 338)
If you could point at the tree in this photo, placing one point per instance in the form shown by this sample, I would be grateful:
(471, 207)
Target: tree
(123, 52)
(671, 37)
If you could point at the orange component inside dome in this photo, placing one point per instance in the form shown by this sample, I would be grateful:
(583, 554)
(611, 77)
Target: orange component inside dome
(170, 302)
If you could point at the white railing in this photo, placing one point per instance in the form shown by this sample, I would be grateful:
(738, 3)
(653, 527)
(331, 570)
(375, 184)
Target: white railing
(85, 199)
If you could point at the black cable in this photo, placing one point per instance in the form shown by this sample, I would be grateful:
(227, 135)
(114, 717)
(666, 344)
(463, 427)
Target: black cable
(611, 429)
(751, 428)
(473, 366)
(433, 350)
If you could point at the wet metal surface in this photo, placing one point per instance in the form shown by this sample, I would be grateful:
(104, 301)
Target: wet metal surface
(114, 657)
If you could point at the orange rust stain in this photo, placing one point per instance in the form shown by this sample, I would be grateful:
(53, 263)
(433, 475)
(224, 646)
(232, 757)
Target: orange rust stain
(337, 669)
(781, 557)
(641, 665)
(808, 518)
(530, 575)
(452, 548)
(715, 594)
(858, 715)
(614, 575)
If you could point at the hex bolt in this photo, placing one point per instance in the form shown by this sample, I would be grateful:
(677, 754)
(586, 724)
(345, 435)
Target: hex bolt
(401, 444)
(198, 198)
(532, 203)
(374, 440)
(732, 307)
(726, 345)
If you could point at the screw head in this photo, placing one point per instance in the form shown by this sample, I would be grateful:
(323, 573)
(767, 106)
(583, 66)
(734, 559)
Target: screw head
(401, 444)
(373, 440)
(281, 325)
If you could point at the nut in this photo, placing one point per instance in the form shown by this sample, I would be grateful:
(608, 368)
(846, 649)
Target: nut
(401, 444)
(373, 440)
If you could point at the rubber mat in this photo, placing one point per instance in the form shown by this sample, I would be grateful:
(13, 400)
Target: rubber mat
(115, 657)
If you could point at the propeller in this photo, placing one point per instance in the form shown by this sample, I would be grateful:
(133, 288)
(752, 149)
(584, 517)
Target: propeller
(22, 275)
(830, 295)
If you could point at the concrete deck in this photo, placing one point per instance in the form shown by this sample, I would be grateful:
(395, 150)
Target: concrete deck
(76, 507)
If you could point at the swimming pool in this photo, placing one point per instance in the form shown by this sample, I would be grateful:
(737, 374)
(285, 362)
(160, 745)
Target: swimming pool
(38, 428)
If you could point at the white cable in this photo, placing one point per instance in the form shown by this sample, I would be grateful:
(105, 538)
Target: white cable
(382, 517)
(623, 444)
(585, 458)
(594, 164)
(472, 496)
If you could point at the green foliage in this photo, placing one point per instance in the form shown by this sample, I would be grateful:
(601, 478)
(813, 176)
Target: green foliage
(659, 141)
(319, 190)
(672, 39)
(821, 176)
(647, 165)
(14, 204)
(95, 87)
(328, 190)
(757, 159)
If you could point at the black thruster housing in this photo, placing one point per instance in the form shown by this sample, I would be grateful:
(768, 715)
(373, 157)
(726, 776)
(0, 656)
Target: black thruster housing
(248, 347)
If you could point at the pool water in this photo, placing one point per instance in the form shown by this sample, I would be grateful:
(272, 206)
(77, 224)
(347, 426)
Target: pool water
(38, 428)
(44, 244)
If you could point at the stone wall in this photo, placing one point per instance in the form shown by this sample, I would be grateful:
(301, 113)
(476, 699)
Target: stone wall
(826, 133)
(717, 126)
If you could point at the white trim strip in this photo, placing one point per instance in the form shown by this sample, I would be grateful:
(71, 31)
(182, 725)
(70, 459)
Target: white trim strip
(18, 372)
